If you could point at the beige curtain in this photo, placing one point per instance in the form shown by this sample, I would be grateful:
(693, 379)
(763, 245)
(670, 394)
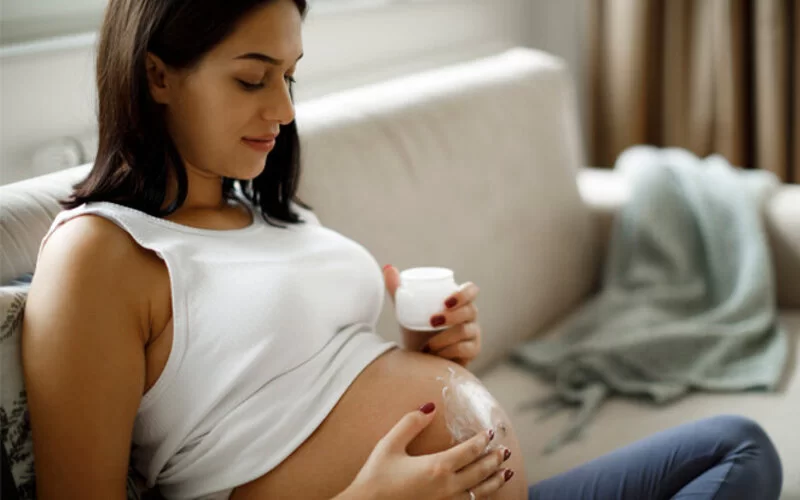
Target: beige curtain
(713, 76)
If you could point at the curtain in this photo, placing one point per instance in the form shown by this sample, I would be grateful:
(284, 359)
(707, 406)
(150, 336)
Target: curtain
(712, 76)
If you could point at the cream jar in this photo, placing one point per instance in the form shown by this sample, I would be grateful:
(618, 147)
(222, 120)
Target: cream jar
(421, 295)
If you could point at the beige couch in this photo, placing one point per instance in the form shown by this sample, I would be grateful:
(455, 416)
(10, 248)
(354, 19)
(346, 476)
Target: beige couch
(478, 167)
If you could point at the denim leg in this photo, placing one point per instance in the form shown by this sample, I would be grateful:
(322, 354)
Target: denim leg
(720, 458)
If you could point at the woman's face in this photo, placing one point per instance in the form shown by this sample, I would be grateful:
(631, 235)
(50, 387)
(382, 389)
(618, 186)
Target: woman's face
(239, 93)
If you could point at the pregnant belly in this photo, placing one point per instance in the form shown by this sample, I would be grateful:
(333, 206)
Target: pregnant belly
(395, 383)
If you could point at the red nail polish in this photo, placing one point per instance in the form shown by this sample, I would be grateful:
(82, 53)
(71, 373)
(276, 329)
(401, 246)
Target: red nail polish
(506, 454)
(438, 321)
(491, 434)
(427, 408)
(508, 475)
(451, 302)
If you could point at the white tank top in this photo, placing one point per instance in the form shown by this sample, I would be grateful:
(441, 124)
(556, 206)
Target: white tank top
(271, 326)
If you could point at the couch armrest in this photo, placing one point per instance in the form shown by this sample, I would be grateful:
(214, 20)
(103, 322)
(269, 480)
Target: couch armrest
(782, 220)
(605, 192)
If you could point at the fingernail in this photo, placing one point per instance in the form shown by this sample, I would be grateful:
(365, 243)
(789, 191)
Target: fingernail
(506, 454)
(427, 408)
(508, 475)
(387, 266)
(491, 434)
(438, 320)
(451, 302)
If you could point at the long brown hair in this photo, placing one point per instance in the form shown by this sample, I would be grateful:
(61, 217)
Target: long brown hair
(135, 152)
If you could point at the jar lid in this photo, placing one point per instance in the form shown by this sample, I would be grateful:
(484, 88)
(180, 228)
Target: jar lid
(426, 274)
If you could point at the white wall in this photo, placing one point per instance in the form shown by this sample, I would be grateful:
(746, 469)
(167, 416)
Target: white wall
(22, 20)
(49, 94)
(558, 27)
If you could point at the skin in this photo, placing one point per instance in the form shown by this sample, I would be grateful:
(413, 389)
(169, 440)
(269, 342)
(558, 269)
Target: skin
(77, 397)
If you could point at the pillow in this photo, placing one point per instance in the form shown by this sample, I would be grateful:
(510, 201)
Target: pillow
(15, 431)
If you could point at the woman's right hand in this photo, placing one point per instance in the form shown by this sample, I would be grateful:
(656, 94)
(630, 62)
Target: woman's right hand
(390, 473)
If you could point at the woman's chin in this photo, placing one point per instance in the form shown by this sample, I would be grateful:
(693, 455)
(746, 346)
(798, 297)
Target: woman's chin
(247, 175)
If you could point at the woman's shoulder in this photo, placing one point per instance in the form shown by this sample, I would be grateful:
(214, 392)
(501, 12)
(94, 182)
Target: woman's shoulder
(98, 254)
(89, 237)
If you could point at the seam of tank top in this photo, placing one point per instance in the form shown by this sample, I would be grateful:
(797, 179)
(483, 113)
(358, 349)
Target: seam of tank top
(179, 339)
(254, 224)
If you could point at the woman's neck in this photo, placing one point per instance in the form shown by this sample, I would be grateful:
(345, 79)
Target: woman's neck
(204, 191)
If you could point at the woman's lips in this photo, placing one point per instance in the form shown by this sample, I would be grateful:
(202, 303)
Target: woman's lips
(260, 145)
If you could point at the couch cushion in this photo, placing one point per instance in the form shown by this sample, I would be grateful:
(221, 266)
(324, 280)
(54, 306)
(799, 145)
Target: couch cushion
(621, 421)
(471, 167)
(27, 209)
(15, 434)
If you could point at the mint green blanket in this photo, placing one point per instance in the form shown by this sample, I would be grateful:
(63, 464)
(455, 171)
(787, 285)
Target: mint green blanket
(688, 295)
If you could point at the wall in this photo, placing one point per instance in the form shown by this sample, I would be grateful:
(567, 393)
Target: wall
(24, 20)
(558, 26)
(48, 94)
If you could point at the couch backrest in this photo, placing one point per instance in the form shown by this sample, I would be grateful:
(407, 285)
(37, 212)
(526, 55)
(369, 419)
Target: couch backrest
(472, 167)
(27, 209)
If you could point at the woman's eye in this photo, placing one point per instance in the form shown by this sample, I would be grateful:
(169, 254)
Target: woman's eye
(250, 86)
(260, 85)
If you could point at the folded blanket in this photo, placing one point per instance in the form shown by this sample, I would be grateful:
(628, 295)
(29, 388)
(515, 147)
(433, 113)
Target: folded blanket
(688, 295)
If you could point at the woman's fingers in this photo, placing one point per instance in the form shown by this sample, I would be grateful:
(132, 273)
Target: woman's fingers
(489, 487)
(464, 314)
(468, 293)
(409, 427)
(463, 454)
(391, 278)
(460, 333)
(479, 471)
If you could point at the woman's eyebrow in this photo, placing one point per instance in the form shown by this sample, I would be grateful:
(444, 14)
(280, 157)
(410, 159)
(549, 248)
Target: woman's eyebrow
(264, 58)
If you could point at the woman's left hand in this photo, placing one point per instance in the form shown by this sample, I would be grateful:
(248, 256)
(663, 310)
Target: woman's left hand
(461, 340)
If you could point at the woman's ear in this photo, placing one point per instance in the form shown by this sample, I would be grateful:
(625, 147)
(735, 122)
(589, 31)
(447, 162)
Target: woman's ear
(157, 78)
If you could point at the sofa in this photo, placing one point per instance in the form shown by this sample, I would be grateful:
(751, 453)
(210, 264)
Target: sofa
(479, 167)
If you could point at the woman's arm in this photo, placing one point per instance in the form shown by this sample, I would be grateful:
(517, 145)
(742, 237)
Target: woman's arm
(83, 360)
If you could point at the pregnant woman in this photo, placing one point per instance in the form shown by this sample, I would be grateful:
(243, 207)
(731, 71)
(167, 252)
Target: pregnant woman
(189, 314)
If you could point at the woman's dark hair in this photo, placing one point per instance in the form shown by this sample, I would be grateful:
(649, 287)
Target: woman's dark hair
(135, 152)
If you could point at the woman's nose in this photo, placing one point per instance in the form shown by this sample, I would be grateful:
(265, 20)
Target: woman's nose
(279, 106)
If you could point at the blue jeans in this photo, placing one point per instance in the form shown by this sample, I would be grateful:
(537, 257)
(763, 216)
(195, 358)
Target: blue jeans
(720, 458)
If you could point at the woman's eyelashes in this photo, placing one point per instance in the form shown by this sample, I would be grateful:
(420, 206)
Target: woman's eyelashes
(250, 87)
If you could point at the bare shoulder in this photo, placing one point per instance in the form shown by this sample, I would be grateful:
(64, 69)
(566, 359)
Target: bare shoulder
(89, 237)
(91, 260)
